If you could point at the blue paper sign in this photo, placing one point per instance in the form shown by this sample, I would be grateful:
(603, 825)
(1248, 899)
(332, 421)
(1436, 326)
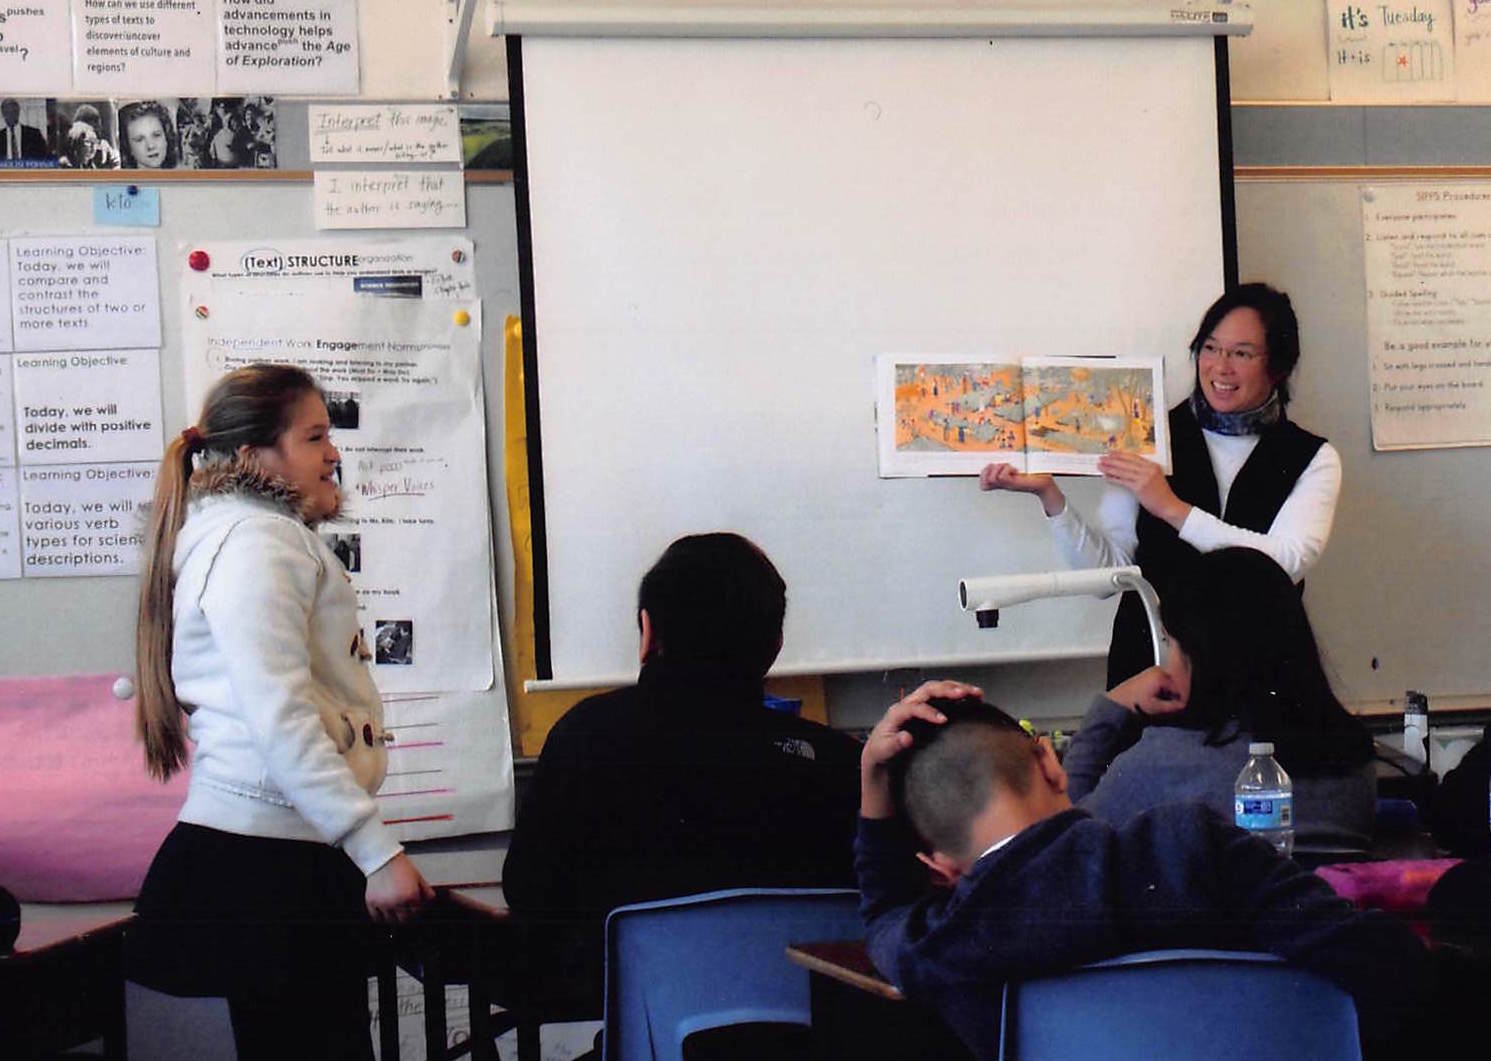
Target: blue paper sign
(118, 204)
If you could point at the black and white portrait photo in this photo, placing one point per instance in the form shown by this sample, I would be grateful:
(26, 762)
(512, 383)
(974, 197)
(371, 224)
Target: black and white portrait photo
(347, 548)
(393, 641)
(344, 409)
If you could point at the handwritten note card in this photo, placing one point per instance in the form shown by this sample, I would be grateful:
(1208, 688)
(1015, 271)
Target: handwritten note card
(385, 133)
(1428, 314)
(35, 48)
(390, 199)
(1397, 52)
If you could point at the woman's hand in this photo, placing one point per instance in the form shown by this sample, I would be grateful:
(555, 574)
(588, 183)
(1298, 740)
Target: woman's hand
(1146, 481)
(396, 890)
(1004, 477)
(1153, 691)
(888, 739)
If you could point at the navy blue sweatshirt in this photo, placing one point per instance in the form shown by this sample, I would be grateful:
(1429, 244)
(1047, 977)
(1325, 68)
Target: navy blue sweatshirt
(1072, 889)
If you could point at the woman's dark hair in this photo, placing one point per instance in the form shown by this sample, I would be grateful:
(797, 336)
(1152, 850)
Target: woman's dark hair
(133, 111)
(1280, 327)
(716, 600)
(1255, 665)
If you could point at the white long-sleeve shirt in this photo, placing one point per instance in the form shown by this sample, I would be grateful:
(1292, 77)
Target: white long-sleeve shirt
(1295, 539)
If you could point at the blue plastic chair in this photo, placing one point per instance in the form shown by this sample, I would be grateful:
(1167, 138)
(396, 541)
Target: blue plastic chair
(684, 965)
(1180, 1004)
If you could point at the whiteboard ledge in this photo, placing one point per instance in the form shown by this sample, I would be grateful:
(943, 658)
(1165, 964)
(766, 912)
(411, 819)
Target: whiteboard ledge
(1182, 18)
(813, 668)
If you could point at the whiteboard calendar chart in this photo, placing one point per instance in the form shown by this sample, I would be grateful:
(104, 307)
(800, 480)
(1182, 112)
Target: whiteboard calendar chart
(1428, 314)
(1397, 52)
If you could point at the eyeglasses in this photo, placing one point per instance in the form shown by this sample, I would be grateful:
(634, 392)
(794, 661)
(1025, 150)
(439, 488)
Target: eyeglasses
(1215, 351)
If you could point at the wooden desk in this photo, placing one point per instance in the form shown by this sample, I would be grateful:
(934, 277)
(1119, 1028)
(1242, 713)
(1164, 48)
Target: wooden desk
(63, 984)
(857, 1014)
(467, 936)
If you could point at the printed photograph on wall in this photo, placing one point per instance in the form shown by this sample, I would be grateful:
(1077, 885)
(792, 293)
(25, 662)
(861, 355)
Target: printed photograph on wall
(26, 137)
(393, 641)
(952, 415)
(486, 135)
(227, 132)
(86, 134)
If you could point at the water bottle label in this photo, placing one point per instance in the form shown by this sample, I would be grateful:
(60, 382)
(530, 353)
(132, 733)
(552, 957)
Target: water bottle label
(1264, 810)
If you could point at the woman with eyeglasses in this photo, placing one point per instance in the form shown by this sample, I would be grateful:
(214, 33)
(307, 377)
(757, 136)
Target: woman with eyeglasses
(1244, 473)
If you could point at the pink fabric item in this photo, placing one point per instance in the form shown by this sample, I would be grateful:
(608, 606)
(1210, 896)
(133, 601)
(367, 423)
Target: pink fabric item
(1400, 886)
(80, 819)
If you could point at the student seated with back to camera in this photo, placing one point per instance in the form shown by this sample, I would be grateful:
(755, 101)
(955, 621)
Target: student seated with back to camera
(685, 782)
(1244, 666)
(1036, 886)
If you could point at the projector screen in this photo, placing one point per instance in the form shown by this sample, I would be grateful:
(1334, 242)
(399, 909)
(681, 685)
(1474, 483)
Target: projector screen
(723, 234)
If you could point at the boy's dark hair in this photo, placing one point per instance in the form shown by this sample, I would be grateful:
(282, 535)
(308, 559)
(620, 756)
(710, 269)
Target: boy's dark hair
(1255, 664)
(944, 780)
(716, 600)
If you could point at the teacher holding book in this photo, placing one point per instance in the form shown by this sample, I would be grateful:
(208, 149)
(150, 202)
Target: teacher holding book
(1244, 473)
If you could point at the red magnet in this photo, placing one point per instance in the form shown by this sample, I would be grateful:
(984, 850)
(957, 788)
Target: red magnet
(458, 256)
(201, 313)
(198, 260)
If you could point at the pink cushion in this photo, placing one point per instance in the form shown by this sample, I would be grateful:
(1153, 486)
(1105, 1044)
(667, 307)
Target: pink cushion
(80, 818)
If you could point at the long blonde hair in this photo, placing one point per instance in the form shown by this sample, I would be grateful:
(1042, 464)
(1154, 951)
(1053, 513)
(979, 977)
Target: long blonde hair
(251, 407)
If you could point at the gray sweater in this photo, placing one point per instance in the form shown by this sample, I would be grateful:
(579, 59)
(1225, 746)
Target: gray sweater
(1118, 768)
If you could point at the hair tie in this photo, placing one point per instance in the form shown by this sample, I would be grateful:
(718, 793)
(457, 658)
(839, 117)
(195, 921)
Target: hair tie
(191, 438)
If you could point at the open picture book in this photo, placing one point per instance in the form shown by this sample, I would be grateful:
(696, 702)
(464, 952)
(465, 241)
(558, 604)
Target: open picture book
(953, 414)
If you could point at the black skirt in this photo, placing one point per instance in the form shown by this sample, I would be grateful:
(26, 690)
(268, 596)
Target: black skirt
(221, 914)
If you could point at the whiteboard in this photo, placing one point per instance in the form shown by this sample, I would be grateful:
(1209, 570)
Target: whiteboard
(724, 233)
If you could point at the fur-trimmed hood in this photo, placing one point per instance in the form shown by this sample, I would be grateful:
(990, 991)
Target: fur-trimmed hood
(216, 475)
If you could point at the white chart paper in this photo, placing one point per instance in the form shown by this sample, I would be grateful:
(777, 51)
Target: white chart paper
(403, 384)
(390, 199)
(387, 132)
(1428, 314)
(10, 525)
(36, 48)
(72, 293)
(301, 47)
(7, 412)
(5, 336)
(143, 48)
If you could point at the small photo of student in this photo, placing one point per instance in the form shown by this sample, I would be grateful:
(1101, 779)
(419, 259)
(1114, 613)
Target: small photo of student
(147, 135)
(85, 133)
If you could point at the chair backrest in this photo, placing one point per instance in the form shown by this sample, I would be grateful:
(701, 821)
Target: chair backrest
(682, 965)
(1180, 1004)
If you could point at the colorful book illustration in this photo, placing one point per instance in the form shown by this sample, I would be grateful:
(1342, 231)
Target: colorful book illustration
(953, 414)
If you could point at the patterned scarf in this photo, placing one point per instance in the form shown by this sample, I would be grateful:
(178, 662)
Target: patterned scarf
(1248, 422)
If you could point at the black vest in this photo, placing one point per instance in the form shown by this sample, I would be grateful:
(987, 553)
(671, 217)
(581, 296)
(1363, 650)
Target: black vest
(1263, 483)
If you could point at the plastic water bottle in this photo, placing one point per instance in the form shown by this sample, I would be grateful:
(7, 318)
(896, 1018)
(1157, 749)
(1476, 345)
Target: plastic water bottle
(1263, 799)
(1416, 726)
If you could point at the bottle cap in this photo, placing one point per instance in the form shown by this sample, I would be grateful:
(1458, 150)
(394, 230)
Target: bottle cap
(1261, 748)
